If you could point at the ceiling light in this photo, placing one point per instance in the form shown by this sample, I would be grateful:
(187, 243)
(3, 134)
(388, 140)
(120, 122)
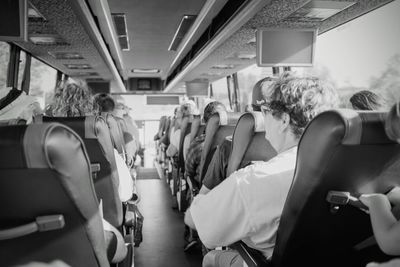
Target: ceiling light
(181, 31)
(34, 13)
(242, 55)
(147, 71)
(319, 10)
(82, 73)
(66, 55)
(78, 66)
(223, 66)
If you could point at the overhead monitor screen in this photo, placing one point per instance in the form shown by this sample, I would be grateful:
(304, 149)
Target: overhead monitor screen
(285, 47)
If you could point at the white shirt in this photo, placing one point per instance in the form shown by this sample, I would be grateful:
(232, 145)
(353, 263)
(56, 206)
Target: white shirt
(247, 205)
(125, 186)
(174, 143)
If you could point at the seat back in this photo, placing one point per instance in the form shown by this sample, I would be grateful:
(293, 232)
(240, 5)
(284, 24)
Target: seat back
(340, 150)
(95, 134)
(161, 128)
(196, 129)
(165, 138)
(219, 126)
(45, 170)
(185, 131)
(248, 142)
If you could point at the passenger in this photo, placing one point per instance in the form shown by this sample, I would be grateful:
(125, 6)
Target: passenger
(188, 108)
(248, 204)
(384, 224)
(16, 104)
(74, 100)
(216, 171)
(367, 100)
(192, 164)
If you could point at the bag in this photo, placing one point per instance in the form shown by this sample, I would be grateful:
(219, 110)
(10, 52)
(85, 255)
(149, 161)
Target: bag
(137, 225)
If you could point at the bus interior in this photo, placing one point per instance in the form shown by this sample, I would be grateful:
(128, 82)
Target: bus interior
(58, 175)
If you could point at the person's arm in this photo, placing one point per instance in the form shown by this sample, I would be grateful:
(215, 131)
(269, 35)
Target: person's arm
(385, 226)
(220, 217)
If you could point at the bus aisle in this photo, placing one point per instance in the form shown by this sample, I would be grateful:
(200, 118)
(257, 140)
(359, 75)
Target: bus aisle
(162, 226)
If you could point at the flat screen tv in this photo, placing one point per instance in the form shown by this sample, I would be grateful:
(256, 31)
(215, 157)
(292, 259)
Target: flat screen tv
(285, 47)
(13, 20)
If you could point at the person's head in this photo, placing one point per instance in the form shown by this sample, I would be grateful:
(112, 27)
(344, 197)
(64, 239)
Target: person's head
(292, 104)
(257, 95)
(367, 100)
(105, 102)
(211, 108)
(72, 99)
(189, 108)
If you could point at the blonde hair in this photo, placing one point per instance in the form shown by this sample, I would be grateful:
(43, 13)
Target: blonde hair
(302, 99)
(73, 100)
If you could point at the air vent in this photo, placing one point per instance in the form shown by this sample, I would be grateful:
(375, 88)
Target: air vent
(47, 40)
(121, 29)
(319, 10)
(66, 55)
(78, 66)
(162, 100)
(183, 28)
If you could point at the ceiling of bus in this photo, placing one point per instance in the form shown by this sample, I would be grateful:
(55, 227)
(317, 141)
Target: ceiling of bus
(151, 25)
(273, 14)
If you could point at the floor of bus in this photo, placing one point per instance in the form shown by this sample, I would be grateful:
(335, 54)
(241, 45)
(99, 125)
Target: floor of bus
(162, 226)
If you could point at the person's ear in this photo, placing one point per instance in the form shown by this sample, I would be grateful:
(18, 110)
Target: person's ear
(285, 119)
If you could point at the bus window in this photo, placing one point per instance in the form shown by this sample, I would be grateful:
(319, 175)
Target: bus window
(363, 54)
(21, 68)
(247, 78)
(220, 92)
(4, 58)
(43, 81)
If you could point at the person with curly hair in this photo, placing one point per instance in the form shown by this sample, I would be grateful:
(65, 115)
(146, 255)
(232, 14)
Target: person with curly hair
(248, 204)
(72, 99)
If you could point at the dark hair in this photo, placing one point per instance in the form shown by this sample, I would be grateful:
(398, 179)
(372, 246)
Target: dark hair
(212, 108)
(105, 101)
(367, 100)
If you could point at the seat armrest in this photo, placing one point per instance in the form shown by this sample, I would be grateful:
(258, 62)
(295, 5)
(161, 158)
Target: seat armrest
(116, 249)
(252, 257)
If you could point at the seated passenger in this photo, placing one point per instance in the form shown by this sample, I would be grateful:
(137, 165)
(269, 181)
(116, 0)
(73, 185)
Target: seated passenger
(216, 171)
(16, 104)
(74, 100)
(188, 108)
(248, 204)
(367, 100)
(385, 226)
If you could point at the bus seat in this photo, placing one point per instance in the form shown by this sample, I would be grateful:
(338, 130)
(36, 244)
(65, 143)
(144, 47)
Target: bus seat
(117, 136)
(219, 126)
(196, 129)
(95, 134)
(165, 138)
(161, 128)
(249, 143)
(12, 122)
(186, 125)
(45, 171)
(340, 150)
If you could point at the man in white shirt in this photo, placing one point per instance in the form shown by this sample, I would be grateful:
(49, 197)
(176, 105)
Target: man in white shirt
(248, 204)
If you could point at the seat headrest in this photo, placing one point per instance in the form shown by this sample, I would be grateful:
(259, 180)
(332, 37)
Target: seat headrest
(258, 121)
(228, 118)
(392, 123)
(85, 126)
(360, 127)
(12, 122)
